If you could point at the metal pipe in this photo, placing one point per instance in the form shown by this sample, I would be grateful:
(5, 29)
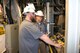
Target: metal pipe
(48, 17)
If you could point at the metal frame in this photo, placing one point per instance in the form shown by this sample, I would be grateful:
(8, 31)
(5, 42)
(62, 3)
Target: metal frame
(72, 27)
(79, 23)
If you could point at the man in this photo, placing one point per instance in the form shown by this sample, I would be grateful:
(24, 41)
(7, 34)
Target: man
(43, 28)
(29, 33)
(40, 21)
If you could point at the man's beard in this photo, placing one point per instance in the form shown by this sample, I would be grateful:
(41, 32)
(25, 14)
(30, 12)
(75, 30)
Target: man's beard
(33, 20)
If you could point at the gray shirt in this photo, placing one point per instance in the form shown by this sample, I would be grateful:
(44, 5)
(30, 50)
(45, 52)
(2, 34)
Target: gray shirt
(43, 28)
(29, 35)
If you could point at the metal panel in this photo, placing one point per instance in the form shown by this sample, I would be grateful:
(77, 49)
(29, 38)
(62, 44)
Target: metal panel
(12, 38)
(71, 35)
(79, 23)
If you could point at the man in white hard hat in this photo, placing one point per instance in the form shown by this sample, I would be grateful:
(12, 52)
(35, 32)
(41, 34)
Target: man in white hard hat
(29, 34)
(43, 28)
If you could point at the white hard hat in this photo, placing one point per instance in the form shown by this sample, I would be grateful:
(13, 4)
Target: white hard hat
(31, 5)
(39, 13)
(29, 8)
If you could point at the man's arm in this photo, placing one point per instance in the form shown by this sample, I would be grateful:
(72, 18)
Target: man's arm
(46, 39)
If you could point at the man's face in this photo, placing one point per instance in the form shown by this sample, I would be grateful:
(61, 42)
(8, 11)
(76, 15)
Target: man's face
(33, 19)
(39, 18)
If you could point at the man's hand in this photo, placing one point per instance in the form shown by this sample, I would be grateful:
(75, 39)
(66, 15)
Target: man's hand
(46, 39)
(58, 45)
